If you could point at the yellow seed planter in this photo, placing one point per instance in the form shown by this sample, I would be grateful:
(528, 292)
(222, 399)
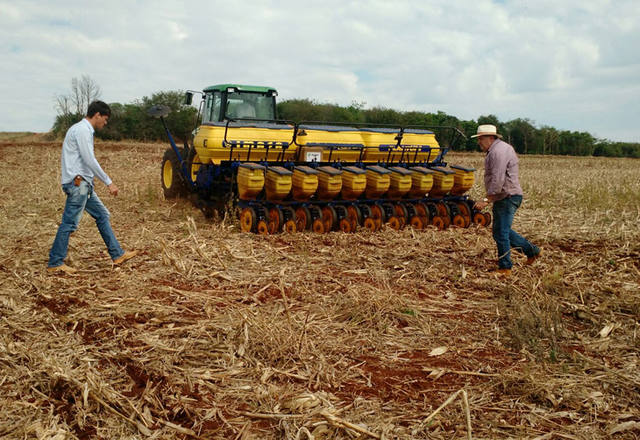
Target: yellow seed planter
(246, 142)
(400, 182)
(420, 145)
(378, 181)
(335, 142)
(329, 182)
(462, 179)
(421, 181)
(442, 182)
(354, 182)
(305, 182)
(250, 180)
(278, 183)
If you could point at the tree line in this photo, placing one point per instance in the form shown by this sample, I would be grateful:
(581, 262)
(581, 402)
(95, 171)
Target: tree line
(525, 137)
(130, 121)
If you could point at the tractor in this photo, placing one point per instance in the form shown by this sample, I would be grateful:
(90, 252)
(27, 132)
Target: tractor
(290, 176)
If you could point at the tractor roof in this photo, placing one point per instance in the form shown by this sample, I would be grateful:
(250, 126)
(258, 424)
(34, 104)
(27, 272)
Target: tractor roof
(240, 87)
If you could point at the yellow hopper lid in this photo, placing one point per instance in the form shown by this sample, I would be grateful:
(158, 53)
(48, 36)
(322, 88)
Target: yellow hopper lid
(443, 170)
(280, 170)
(460, 167)
(354, 170)
(401, 170)
(251, 166)
(330, 170)
(422, 170)
(378, 169)
(305, 169)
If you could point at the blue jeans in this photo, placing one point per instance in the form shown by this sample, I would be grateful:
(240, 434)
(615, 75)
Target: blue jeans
(506, 238)
(79, 199)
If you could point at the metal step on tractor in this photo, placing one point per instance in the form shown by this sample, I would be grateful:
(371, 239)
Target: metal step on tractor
(299, 176)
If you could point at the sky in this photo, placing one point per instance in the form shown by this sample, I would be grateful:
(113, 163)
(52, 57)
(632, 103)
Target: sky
(568, 64)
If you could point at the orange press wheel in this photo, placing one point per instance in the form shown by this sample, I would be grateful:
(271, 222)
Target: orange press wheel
(370, 224)
(416, 222)
(465, 212)
(444, 213)
(262, 228)
(303, 218)
(395, 223)
(248, 220)
(275, 220)
(354, 214)
(318, 226)
(463, 208)
(487, 218)
(346, 225)
(289, 226)
(480, 219)
(459, 221)
(443, 210)
(289, 219)
(401, 212)
(329, 218)
(377, 214)
(422, 209)
(438, 222)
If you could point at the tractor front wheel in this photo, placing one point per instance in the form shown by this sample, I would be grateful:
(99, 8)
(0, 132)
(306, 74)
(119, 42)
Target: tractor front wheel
(173, 184)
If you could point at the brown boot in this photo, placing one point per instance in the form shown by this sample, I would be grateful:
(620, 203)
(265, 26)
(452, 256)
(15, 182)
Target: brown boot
(533, 259)
(502, 272)
(124, 257)
(62, 268)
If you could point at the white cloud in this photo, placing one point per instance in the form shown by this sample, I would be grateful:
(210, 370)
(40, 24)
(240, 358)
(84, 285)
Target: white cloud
(571, 64)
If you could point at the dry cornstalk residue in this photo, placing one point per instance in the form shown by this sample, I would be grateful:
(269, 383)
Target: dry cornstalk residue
(212, 333)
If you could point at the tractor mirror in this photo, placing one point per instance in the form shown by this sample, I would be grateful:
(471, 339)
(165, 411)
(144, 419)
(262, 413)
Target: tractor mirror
(188, 98)
(158, 111)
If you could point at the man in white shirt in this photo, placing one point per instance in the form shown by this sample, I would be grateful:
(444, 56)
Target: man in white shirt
(79, 167)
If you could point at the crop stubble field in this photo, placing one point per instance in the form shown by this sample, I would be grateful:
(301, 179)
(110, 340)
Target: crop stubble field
(212, 333)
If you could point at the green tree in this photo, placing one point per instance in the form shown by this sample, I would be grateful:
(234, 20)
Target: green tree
(521, 134)
(550, 137)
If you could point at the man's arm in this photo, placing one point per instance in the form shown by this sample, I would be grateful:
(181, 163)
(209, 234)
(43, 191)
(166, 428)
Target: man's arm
(495, 173)
(495, 170)
(85, 148)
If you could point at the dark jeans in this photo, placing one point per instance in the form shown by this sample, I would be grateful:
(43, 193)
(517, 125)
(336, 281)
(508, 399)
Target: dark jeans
(506, 238)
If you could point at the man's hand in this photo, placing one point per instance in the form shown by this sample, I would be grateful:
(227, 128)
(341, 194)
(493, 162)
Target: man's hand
(480, 205)
(113, 189)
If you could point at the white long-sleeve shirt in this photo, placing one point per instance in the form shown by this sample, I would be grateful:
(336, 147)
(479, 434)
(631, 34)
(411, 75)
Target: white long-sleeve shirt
(78, 158)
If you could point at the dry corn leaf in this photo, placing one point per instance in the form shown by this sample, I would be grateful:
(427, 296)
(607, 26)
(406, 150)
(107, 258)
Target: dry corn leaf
(302, 402)
(624, 427)
(438, 351)
(606, 330)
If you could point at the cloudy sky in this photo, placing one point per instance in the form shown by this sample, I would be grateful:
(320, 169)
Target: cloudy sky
(569, 64)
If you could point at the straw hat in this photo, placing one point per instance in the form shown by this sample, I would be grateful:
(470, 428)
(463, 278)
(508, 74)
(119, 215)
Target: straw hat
(487, 130)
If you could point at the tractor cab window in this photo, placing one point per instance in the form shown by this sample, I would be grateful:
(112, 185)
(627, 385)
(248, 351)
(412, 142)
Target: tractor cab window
(212, 104)
(250, 105)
